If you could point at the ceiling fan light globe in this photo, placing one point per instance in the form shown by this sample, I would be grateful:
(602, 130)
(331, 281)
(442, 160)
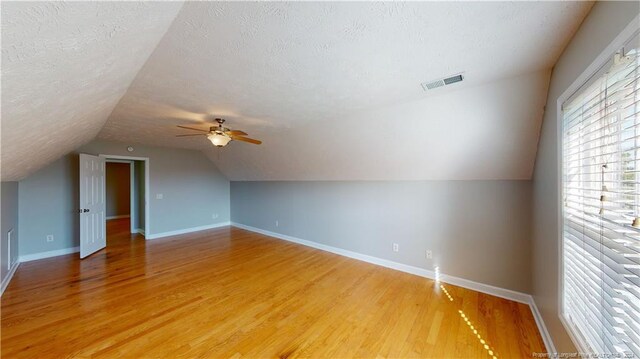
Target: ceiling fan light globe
(219, 140)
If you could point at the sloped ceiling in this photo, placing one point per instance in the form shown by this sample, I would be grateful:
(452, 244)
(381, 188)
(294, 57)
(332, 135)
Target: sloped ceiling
(65, 66)
(485, 132)
(333, 89)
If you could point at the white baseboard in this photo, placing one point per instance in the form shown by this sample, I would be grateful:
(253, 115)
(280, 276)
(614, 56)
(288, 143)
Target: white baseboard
(7, 279)
(461, 282)
(60, 252)
(187, 230)
(118, 217)
(480, 287)
(49, 254)
(139, 230)
(486, 288)
(546, 337)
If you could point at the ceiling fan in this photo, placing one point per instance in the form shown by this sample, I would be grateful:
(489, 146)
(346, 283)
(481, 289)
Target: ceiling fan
(219, 135)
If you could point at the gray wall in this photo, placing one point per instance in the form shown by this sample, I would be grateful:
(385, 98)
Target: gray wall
(8, 221)
(602, 25)
(477, 230)
(140, 191)
(49, 204)
(118, 189)
(137, 212)
(192, 187)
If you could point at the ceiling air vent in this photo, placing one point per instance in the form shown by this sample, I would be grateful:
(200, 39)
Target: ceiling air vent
(442, 82)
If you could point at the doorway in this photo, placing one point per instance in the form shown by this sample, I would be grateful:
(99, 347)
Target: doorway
(126, 188)
(120, 197)
(126, 191)
(92, 198)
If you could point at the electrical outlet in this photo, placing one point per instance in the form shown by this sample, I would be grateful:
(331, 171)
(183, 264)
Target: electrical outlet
(277, 224)
(214, 216)
(429, 254)
(159, 196)
(396, 247)
(50, 238)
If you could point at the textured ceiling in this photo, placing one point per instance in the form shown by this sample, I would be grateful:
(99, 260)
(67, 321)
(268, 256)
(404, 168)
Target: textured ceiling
(334, 91)
(333, 88)
(65, 66)
(485, 132)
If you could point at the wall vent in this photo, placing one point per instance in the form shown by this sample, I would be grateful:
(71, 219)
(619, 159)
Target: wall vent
(442, 82)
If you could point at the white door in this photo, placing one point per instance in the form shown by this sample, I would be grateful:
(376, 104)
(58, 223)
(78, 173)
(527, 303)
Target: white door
(93, 233)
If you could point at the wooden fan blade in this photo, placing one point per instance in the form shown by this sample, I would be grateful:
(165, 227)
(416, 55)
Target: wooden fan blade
(246, 139)
(192, 134)
(236, 132)
(191, 128)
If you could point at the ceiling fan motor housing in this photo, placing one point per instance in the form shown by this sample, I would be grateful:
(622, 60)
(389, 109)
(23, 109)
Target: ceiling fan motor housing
(219, 130)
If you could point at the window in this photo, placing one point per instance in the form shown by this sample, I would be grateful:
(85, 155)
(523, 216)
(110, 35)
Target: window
(601, 209)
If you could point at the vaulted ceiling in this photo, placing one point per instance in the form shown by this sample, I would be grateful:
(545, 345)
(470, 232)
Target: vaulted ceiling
(332, 89)
(65, 66)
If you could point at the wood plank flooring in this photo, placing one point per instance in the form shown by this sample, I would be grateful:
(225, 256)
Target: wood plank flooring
(233, 293)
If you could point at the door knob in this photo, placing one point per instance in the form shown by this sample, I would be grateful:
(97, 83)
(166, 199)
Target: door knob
(86, 210)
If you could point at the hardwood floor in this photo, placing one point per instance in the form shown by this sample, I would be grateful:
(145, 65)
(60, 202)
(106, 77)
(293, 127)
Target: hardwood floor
(233, 293)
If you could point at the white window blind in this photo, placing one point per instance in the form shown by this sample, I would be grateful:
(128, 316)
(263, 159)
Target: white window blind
(601, 211)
